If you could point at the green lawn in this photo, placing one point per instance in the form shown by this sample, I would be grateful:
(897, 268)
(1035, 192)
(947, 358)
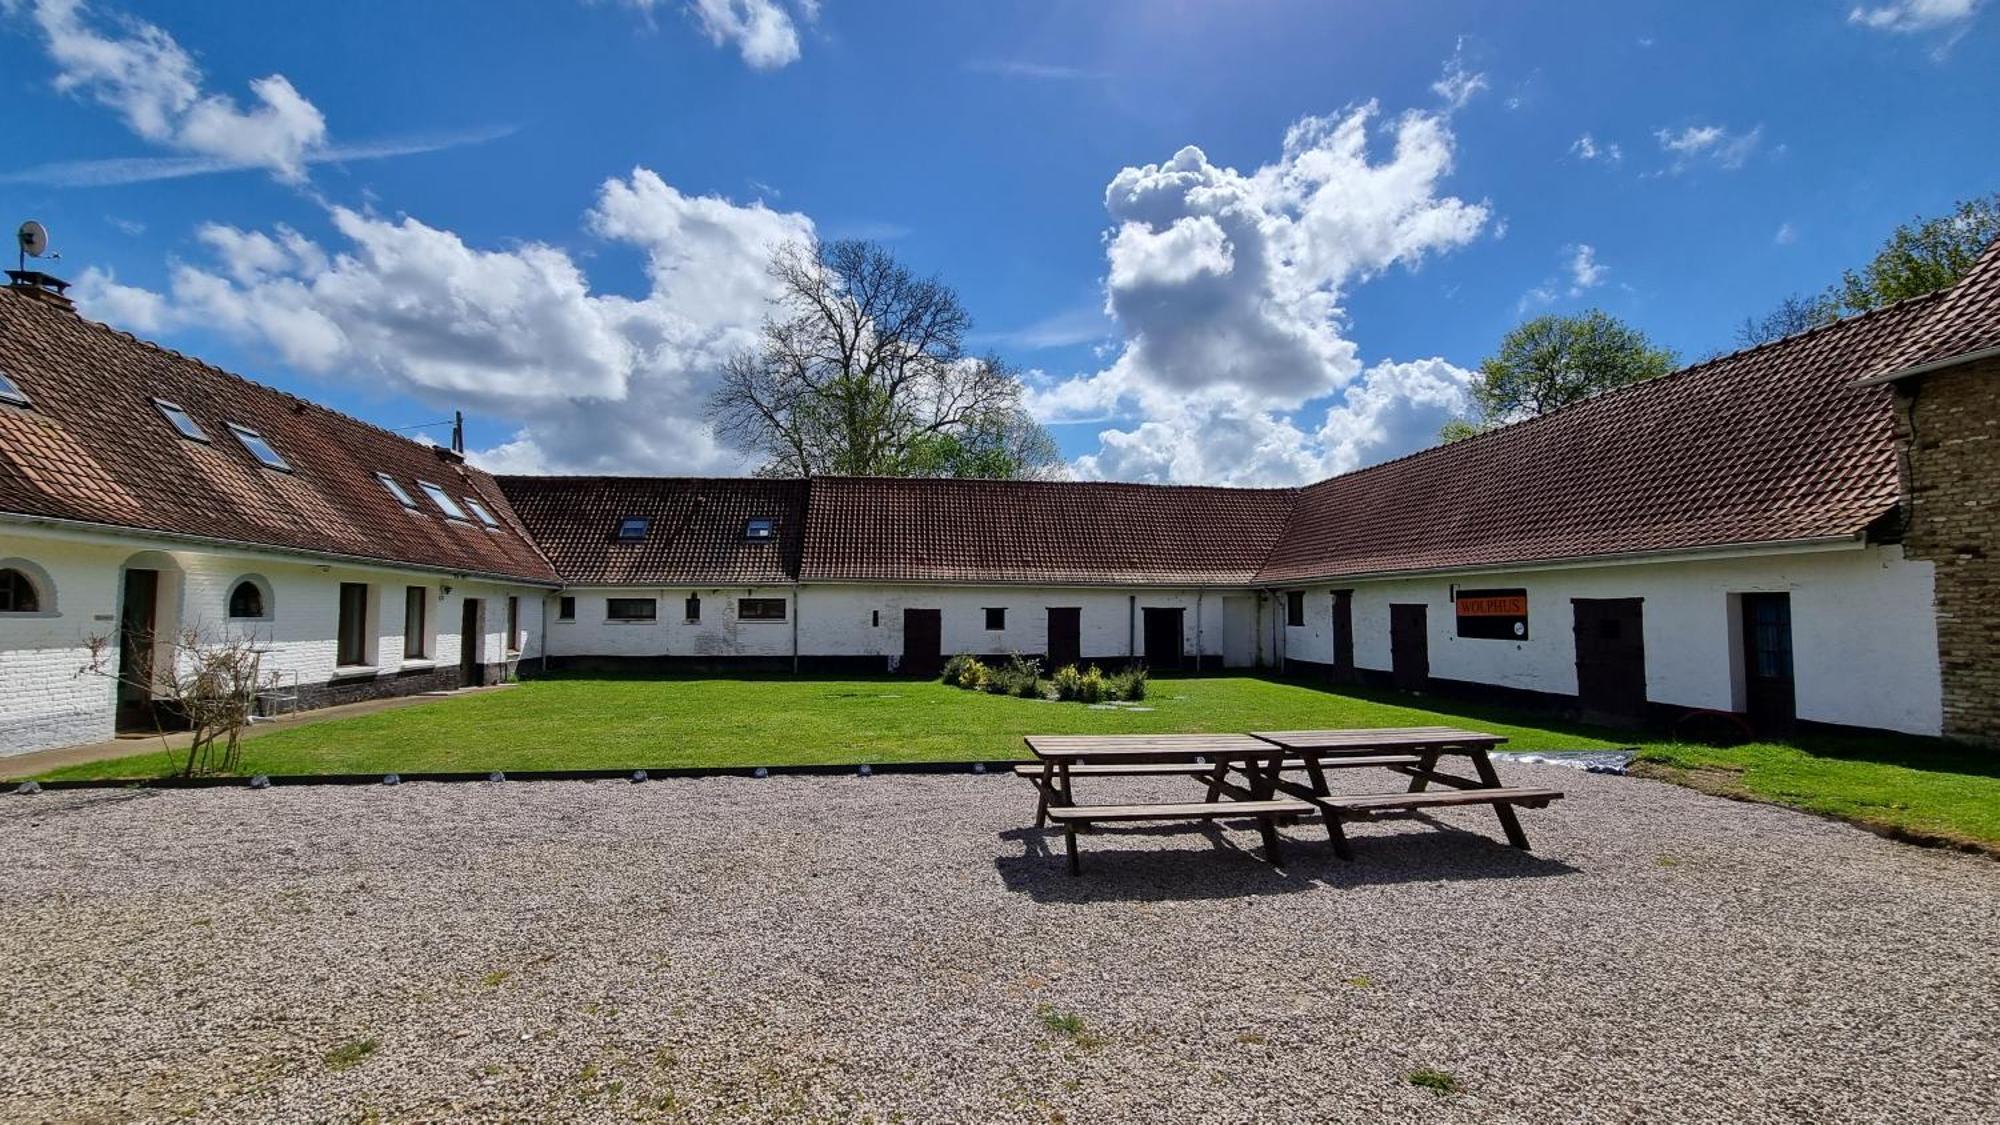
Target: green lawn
(1917, 787)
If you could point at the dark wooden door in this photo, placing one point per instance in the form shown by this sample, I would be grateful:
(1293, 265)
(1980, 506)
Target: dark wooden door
(1163, 638)
(1610, 659)
(471, 672)
(135, 650)
(923, 642)
(1768, 692)
(1343, 636)
(1409, 647)
(1065, 637)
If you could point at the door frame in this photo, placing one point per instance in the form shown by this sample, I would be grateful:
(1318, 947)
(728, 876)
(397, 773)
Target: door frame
(931, 662)
(1151, 613)
(471, 635)
(1403, 674)
(1075, 615)
(1624, 707)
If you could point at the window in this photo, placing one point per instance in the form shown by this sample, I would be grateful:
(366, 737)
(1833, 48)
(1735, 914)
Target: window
(513, 624)
(246, 600)
(631, 609)
(11, 392)
(416, 629)
(479, 510)
(1295, 608)
(18, 593)
(396, 489)
(180, 419)
(566, 609)
(693, 608)
(631, 529)
(996, 618)
(875, 619)
(760, 609)
(259, 448)
(352, 638)
(759, 528)
(442, 499)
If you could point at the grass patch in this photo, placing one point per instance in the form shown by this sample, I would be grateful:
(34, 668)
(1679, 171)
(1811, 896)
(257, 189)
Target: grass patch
(1438, 1081)
(1070, 1026)
(349, 1055)
(496, 978)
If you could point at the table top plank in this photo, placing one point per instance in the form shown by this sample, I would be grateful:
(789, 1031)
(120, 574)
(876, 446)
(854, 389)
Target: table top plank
(1381, 738)
(1117, 747)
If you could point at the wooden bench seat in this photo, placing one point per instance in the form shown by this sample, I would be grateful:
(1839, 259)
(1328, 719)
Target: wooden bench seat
(1033, 771)
(1265, 812)
(1373, 802)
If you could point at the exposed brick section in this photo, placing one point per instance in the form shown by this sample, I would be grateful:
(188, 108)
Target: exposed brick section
(696, 534)
(1949, 425)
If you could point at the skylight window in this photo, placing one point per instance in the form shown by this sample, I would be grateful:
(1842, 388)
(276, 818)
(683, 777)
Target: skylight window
(760, 528)
(181, 420)
(259, 448)
(480, 511)
(442, 499)
(397, 490)
(631, 529)
(11, 392)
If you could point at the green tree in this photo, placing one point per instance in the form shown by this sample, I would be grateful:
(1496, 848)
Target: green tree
(1552, 361)
(1794, 314)
(1923, 256)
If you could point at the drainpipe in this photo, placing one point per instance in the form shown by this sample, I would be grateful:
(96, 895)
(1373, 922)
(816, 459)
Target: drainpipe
(795, 628)
(1198, 592)
(1131, 627)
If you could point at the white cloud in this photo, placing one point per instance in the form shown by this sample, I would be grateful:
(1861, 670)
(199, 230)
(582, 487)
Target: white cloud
(598, 381)
(1027, 68)
(139, 71)
(1458, 85)
(1912, 16)
(1787, 234)
(1587, 148)
(147, 169)
(1584, 270)
(1712, 143)
(1226, 288)
(763, 31)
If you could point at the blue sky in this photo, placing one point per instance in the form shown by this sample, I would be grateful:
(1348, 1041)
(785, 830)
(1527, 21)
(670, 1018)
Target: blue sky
(1246, 241)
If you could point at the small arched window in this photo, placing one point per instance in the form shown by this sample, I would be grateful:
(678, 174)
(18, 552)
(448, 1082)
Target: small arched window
(246, 600)
(18, 593)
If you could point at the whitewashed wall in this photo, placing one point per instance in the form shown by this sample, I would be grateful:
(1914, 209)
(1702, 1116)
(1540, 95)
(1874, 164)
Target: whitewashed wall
(1864, 634)
(44, 703)
(841, 620)
(718, 634)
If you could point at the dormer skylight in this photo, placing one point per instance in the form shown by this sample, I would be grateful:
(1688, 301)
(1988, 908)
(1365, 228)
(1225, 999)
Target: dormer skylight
(397, 490)
(259, 448)
(11, 392)
(180, 420)
(479, 510)
(442, 499)
(631, 529)
(759, 528)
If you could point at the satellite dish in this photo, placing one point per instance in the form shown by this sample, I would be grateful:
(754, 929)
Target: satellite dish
(34, 238)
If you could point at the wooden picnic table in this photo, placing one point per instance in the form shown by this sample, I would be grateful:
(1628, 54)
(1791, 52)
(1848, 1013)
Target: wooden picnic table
(1265, 794)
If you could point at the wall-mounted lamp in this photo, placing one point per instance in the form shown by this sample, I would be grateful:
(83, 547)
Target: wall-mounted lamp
(444, 591)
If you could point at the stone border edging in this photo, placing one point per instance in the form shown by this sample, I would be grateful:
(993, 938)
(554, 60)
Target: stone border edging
(633, 775)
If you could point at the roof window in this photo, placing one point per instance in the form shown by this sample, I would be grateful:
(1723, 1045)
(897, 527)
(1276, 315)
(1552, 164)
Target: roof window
(760, 528)
(442, 499)
(631, 529)
(11, 392)
(181, 420)
(397, 490)
(259, 448)
(479, 511)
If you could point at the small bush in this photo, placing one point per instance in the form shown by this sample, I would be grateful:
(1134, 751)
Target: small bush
(1021, 678)
(955, 668)
(1068, 683)
(1091, 690)
(1129, 685)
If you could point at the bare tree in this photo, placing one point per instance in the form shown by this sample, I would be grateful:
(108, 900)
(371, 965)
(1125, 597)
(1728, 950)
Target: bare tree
(208, 680)
(864, 372)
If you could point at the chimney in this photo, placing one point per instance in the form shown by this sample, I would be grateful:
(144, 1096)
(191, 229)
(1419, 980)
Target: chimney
(38, 286)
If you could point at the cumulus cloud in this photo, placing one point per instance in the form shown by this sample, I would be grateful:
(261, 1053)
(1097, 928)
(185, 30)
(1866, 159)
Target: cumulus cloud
(763, 31)
(1713, 144)
(1912, 16)
(1226, 286)
(1587, 148)
(598, 381)
(1584, 270)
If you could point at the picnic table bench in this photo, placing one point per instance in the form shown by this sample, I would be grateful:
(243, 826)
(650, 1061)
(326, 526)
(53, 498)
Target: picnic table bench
(1250, 770)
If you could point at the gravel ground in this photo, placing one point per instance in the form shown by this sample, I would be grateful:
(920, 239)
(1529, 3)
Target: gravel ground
(901, 947)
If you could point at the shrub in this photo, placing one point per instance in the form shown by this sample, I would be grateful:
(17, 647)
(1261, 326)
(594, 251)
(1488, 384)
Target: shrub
(1021, 677)
(1128, 685)
(1091, 690)
(956, 665)
(1068, 682)
(967, 672)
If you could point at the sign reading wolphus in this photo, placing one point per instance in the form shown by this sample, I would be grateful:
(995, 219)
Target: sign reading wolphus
(1493, 615)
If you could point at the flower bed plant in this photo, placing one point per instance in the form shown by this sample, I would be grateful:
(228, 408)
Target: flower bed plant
(1021, 677)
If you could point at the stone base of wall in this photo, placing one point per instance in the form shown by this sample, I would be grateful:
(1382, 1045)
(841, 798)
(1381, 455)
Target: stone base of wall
(361, 689)
(826, 665)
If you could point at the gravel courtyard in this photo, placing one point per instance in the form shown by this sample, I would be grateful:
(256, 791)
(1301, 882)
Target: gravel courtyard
(904, 947)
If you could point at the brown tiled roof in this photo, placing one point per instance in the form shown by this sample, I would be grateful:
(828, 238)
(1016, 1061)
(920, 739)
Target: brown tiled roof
(695, 535)
(901, 530)
(1776, 443)
(1965, 320)
(92, 448)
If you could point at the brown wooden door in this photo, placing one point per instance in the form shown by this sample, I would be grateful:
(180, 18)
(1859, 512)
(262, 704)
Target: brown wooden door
(1610, 659)
(1409, 647)
(471, 672)
(135, 650)
(1163, 638)
(1769, 694)
(1065, 637)
(923, 642)
(1343, 636)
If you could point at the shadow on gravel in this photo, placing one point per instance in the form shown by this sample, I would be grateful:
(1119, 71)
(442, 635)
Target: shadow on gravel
(1234, 867)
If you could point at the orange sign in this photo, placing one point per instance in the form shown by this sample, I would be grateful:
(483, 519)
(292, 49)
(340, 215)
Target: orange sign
(1512, 605)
